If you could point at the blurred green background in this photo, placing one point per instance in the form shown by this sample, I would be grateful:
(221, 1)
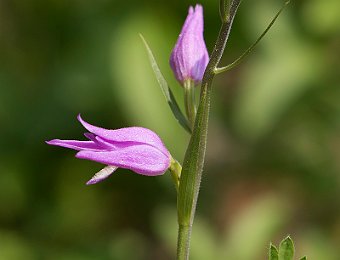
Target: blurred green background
(273, 159)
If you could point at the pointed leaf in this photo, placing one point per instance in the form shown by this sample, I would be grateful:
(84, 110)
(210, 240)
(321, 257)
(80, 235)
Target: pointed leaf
(170, 98)
(304, 258)
(250, 49)
(286, 249)
(273, 253)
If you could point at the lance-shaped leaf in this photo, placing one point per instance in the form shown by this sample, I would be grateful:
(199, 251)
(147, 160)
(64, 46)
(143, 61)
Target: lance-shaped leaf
(169, 96)
(286, 249)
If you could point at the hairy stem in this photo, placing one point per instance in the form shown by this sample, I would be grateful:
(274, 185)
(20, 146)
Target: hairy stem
(195, 154)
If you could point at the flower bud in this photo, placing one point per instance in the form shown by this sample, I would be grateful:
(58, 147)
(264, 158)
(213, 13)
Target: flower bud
(190, 57)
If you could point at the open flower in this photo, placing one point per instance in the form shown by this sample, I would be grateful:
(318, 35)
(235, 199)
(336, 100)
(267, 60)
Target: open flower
(135, 148)
(190, 57)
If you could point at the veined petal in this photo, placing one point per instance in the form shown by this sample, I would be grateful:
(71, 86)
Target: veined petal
(142, 159)
(75, 144)
(128, 134)
(102, 174)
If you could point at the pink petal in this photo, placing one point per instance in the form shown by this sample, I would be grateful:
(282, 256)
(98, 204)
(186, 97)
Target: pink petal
(128, 134)
(188, 19)
(195, 21)
(75, 144)
(142, 159)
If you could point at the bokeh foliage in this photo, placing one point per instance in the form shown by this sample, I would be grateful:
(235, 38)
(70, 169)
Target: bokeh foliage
(274, 142)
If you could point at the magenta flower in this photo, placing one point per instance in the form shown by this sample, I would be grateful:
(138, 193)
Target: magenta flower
(135, 148)
(190, 57)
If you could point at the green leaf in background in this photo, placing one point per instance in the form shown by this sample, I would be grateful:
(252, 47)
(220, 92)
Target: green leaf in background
(273, 253)
(277, 79)
(263, 217)
(14, 246)
(318, 245)
(286, 249)
(304, 258)
(326, 11)
(166, 90)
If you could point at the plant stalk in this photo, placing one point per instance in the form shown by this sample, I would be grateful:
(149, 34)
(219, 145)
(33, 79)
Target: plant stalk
(195, 153)
(189, 101)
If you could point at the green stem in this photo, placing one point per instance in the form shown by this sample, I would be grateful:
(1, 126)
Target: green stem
(183, 241)
(194, 156)
(189, 101)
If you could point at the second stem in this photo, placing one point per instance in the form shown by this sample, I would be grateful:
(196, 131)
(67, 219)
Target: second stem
(190, 102)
